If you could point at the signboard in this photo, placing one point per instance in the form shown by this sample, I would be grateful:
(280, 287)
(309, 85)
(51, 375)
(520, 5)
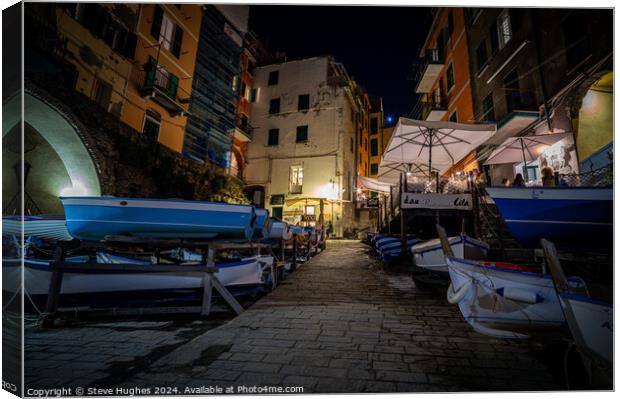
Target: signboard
(436, 201)
(372, 203)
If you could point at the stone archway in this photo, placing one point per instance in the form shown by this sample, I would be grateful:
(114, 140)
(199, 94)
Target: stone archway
(57, 162)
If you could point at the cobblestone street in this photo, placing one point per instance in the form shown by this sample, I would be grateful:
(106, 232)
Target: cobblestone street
(338, 324)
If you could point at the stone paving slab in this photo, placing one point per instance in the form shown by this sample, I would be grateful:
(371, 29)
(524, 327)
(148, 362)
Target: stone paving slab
(338, 324)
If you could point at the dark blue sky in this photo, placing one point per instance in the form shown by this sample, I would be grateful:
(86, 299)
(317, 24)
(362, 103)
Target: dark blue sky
(377, 45)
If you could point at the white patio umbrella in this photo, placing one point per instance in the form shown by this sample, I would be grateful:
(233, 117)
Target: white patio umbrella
(373, 184)
(439, 145)
(390, 171)
(524, 149)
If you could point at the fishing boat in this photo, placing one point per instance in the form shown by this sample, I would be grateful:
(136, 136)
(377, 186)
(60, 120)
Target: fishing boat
(429, 254)
(280, 231)
(262, 224)
(391, 247)
(565, 215)
(94, 218)
(81, 284)
(505, 300)
(44, 227)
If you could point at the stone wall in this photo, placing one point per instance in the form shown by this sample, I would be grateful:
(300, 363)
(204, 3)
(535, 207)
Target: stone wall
(127, 163)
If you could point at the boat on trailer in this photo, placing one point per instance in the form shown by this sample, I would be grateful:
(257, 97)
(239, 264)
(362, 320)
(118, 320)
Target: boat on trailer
(43, 227)
(429, 254)
(564, 215)
(262, 224)
(94, 218)
(81, 284)
(505, 300)
(280, 231)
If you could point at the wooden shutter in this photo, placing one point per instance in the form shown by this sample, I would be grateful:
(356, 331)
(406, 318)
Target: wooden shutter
(178, 39)
(158, 15)
(173, 86)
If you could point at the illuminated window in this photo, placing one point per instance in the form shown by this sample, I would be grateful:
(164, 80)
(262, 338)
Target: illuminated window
(296, 179)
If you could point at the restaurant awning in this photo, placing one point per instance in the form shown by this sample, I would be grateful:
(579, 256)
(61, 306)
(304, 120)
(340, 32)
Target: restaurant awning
(435, 145)
(524, 149)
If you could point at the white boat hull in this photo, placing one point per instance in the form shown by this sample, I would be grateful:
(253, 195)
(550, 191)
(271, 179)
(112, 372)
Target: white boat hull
(504, 303)
(37, 275)
(591, 324)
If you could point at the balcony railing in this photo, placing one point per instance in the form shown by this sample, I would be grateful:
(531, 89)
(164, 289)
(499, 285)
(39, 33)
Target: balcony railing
(160, 85)
(434, 108)
(244, 129)
(428, 70)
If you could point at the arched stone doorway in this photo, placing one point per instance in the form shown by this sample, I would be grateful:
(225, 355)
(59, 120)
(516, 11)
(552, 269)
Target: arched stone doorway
(595, 125)
(56, 162)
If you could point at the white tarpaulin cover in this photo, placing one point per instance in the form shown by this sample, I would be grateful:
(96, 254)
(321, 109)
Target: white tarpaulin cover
(439, 144)
(372, 184)
(524, 149)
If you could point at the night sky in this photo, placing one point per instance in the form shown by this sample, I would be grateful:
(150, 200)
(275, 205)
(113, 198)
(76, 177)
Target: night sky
(377, 45)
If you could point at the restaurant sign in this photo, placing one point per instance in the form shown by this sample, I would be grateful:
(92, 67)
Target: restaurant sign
(436, 201)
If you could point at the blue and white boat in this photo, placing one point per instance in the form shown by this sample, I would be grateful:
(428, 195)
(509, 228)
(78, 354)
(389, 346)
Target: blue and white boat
(94, 218)
(83, 285)
(262, 224)
(565, 215)
(390, 248)
(504, 300)
(429, 254)
(280, 231)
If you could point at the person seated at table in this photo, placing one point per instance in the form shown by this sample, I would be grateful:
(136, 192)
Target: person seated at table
(505, 182)
(518, 181)
(548, 179)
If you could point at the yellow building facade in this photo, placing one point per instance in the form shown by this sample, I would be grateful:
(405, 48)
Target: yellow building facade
(158, 95)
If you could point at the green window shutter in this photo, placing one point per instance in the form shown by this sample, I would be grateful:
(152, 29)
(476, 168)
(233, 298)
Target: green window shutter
(158, 16)
(173, 86)
(151, 70)
(178, 39)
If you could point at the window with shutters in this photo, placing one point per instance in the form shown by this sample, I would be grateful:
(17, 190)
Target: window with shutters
(152, 124)
(374, 147)
(302, 134)
(487, 108)
(274, 137)
(274, 76)
(167, 33)
(504, 29)
(374, 168)
(274, 106)
(303, 102)
(102, 93)
(374, 125)
(450, 77)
